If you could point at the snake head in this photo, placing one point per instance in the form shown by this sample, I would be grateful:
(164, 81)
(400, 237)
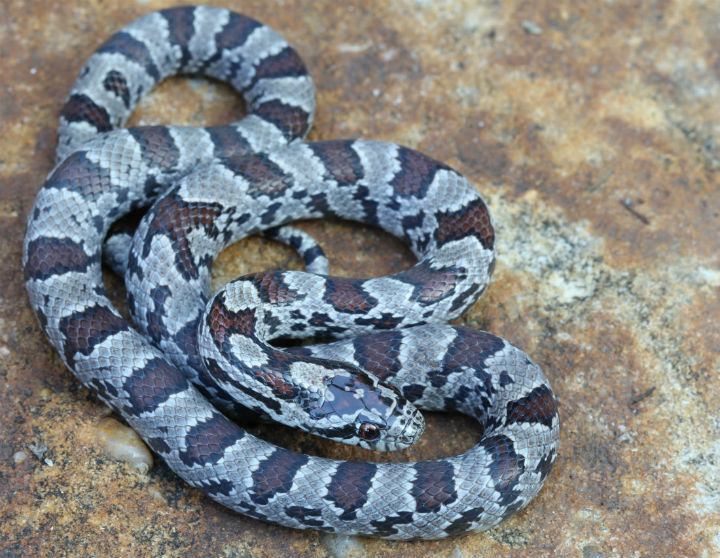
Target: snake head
(356, 409)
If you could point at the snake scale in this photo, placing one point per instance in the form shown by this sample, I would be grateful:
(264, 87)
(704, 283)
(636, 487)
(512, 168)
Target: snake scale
(190, 361)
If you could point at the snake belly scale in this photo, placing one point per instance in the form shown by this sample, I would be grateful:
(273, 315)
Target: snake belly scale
(167, 374)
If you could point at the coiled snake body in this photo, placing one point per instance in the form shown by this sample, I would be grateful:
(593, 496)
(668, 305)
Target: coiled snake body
(211, 186)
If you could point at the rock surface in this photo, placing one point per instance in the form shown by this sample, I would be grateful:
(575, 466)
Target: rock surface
(591, 128)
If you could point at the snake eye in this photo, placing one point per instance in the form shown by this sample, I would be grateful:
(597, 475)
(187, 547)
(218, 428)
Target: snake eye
(369, 431)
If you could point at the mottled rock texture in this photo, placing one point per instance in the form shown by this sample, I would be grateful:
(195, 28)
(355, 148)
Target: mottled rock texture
(592, 129)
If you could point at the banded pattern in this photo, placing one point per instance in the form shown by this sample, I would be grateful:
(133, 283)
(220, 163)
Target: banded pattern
(213, 185)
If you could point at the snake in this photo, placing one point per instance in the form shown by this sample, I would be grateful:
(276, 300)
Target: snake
(188, 363)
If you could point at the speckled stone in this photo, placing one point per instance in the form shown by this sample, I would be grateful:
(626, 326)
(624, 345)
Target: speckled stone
(591, 128)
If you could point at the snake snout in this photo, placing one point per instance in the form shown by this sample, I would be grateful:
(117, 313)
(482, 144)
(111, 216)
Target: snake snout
(403, 428)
